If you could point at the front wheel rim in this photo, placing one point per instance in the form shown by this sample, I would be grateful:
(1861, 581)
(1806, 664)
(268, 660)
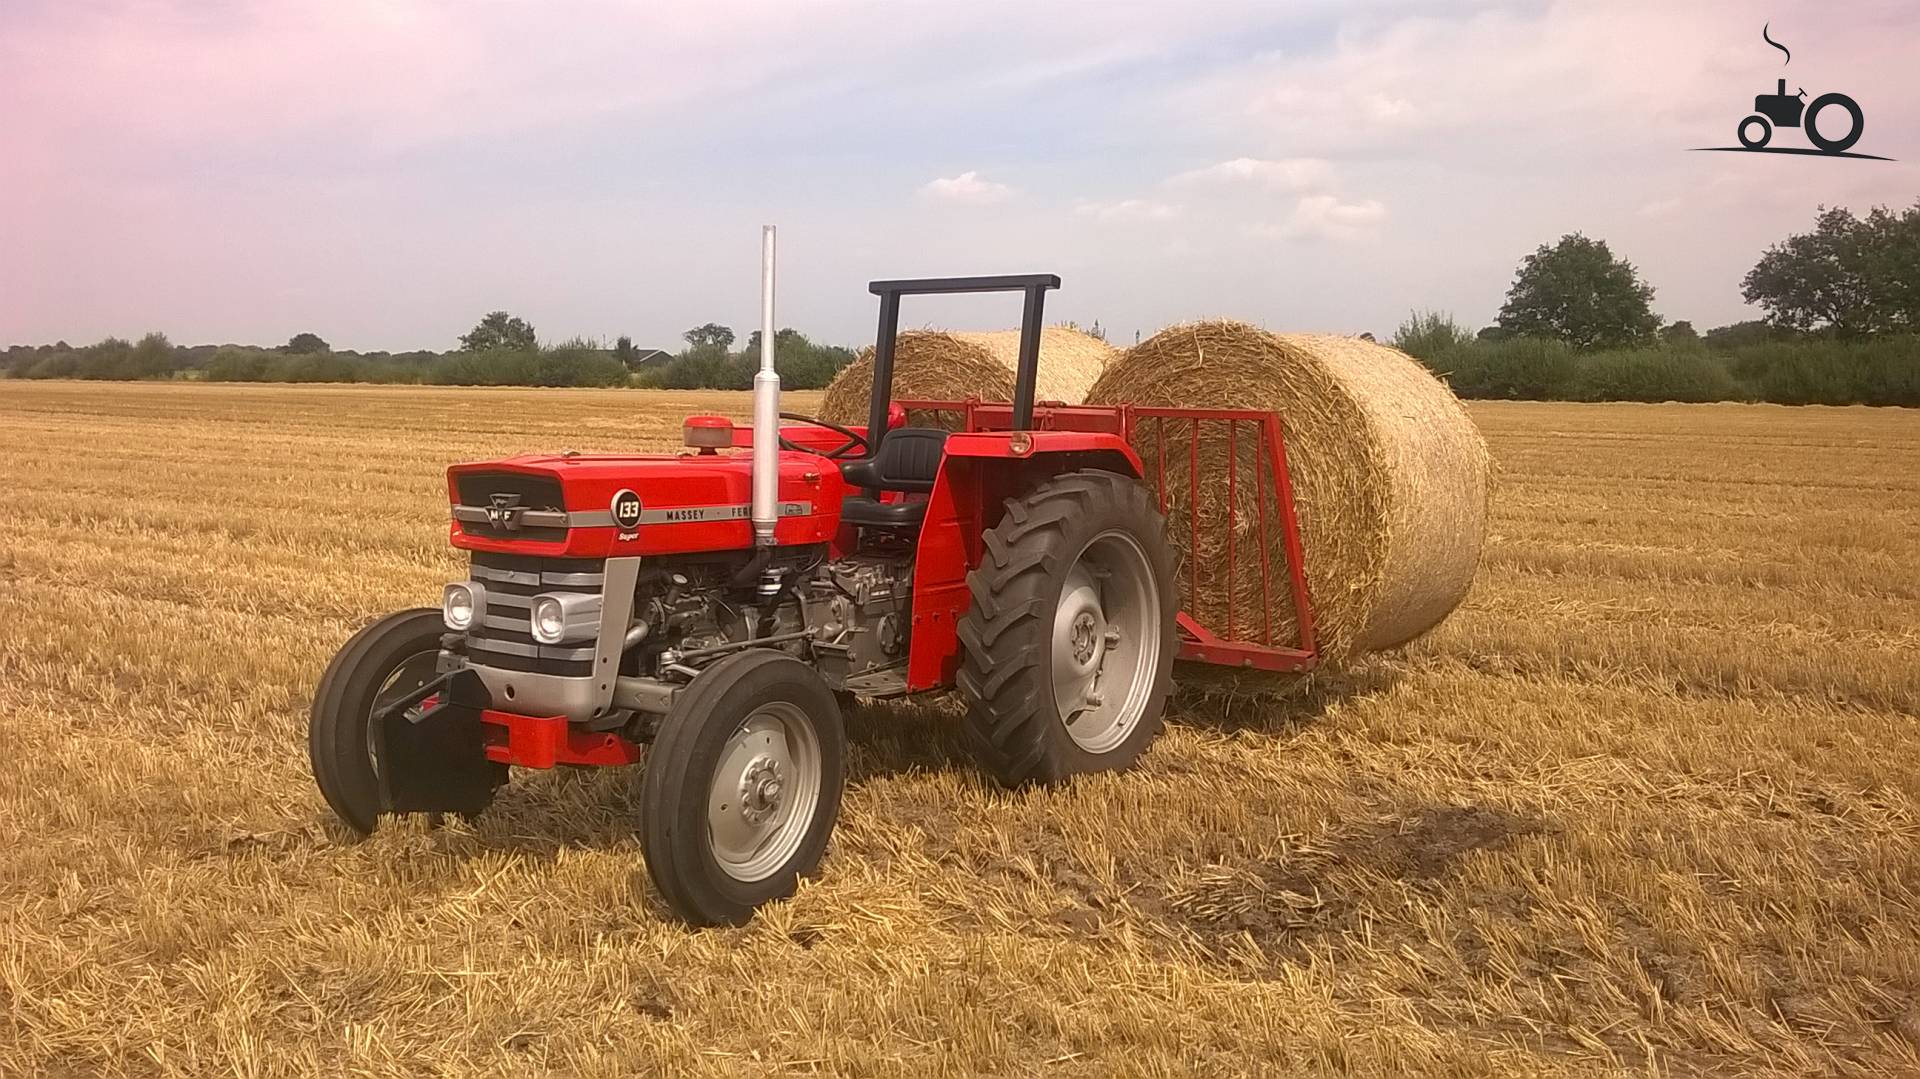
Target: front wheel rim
(764, 792)
(1106, 641)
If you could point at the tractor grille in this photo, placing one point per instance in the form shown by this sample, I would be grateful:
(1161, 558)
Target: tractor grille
(504, 639)
(538, 511)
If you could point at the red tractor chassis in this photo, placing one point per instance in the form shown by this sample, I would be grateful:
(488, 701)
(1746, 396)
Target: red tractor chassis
(973, 482)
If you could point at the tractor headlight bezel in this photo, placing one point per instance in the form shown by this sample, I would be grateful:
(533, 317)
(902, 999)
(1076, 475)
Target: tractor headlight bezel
(559, 617)
(463, 604)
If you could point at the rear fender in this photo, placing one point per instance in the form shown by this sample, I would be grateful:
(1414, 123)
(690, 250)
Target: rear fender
(980, 471)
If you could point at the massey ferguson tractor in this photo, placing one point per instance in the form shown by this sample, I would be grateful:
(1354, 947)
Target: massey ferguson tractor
(712, 612)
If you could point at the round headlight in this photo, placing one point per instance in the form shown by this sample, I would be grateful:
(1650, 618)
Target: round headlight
(549, 620)
(460, 605)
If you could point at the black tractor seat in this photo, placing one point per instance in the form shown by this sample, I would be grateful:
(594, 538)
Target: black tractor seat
(907, 461)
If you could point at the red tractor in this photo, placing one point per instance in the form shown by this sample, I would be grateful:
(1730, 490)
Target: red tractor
(713, 611)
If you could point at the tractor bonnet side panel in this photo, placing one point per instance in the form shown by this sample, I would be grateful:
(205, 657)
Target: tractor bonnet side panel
(614, 506)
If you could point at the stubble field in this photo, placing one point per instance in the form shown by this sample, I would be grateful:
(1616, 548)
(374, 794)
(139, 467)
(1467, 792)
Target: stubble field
(1649, 802)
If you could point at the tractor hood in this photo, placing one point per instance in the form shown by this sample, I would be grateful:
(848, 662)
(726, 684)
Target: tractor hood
(607, 505)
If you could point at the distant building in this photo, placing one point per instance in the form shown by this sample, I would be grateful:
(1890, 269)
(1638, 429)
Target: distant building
(644, 358)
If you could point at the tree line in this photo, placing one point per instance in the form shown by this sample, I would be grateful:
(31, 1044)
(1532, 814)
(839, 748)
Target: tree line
(1578, 323)
(501, 350)
(1842, 326)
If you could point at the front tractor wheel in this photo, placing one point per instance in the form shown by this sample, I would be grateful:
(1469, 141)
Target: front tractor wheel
(1069, 644)
(742, 787)
(365, 768)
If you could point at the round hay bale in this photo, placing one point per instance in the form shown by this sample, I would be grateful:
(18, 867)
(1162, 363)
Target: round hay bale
(938, 365)
(1390, 478)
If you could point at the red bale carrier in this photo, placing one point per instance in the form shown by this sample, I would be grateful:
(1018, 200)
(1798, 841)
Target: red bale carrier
(1235, 643)
(1168, 438)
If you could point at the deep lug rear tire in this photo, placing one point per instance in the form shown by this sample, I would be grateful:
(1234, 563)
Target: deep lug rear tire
(1069, 645)
(742, 787)
(376, 666)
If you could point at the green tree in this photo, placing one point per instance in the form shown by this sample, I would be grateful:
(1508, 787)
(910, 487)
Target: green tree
(1751, 332)
(1680, 333)
(233, 363)
(1851, 276)
(1577, 292)
(804, 365)
(499, 330)
(151, 358)
(1424, 335)
(305, 344)
(624, 351)
(712, 335)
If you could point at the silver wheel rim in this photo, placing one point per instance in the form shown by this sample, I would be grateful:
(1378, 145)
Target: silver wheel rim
(1106, 641)
(765, 789)
(412, 672)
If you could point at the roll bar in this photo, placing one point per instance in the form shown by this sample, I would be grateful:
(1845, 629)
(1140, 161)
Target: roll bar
(1035, 285)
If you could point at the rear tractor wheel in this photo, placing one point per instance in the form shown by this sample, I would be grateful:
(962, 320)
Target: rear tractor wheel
(1070, 642)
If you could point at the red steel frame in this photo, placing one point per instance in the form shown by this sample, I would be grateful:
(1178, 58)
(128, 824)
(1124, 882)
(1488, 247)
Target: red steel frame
(1146, 428)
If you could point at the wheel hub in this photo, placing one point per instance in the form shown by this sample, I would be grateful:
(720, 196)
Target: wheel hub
(764, 791)
(760, 788)
(1105, 642)
(1086, 637)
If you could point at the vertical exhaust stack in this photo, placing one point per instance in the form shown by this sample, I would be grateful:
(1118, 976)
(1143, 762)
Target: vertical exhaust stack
(766, 408)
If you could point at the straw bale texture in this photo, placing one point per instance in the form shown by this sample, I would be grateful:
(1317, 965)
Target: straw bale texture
(940, 365)
(1390, 478)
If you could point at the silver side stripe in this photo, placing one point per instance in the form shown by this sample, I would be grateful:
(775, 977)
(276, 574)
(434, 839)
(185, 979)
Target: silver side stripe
(604, 518)
(524, 518)
(739, 512)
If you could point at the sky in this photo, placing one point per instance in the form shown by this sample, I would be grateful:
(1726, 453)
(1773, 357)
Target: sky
(384, 173)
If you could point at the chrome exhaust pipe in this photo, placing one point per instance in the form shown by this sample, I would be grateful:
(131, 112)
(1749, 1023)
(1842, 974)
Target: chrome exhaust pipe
(766, 408)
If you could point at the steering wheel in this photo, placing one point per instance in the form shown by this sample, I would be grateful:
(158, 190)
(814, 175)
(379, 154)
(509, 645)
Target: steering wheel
(854, 438)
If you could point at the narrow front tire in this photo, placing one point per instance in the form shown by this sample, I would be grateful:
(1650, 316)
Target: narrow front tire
(742, 787)
(376, 668)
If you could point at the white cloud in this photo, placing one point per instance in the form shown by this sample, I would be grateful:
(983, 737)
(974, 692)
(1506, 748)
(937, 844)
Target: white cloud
(1128, 210)
(1386, 109)
(1289, 174)
(1326, 217)
(968, 189)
